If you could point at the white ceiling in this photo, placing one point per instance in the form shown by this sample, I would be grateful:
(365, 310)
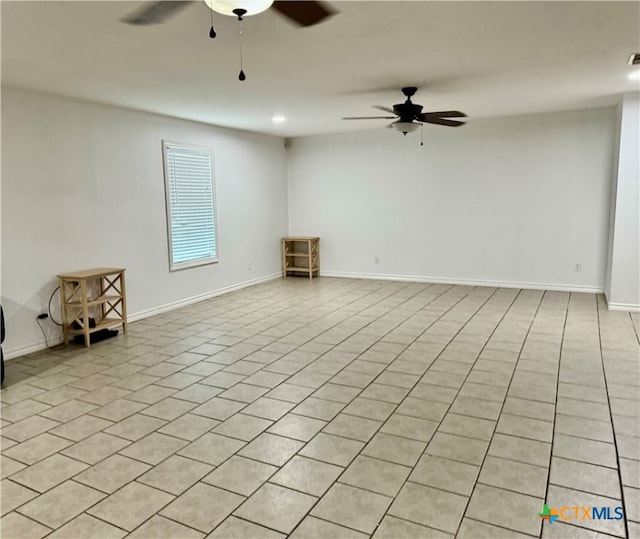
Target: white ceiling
(485, 58)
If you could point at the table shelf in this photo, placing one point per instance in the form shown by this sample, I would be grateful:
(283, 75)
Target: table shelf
(91, 302)
(105, 323)
(301, 255)
(97, 293)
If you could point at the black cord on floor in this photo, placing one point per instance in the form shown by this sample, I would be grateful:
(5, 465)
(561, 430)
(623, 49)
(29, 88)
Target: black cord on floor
(43, 332)
(49, 308)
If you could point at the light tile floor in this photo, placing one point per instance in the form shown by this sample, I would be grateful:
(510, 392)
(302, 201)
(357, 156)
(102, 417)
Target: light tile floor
(332, 408)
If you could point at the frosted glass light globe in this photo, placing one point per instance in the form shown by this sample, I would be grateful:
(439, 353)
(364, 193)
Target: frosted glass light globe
(405, 127)
(226, 7)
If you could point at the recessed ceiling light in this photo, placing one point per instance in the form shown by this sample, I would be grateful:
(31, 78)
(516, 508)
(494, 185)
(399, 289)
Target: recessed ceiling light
(278, 119)
(634, 75)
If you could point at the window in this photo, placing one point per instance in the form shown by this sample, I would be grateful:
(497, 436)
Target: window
(191, 215)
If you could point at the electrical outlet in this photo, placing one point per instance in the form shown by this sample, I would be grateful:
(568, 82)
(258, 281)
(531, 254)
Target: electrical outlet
(577, 268)
(376, 260)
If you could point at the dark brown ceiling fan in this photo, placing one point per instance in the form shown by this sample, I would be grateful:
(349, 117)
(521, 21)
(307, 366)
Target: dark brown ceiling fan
(302, 13)
(408, 116)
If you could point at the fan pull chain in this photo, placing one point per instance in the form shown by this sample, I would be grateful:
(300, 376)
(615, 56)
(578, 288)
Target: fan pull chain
(421, 139)
(212, 32)
(241, 75)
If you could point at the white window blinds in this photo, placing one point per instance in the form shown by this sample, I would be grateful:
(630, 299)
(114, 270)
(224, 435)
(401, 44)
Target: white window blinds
(191, 218)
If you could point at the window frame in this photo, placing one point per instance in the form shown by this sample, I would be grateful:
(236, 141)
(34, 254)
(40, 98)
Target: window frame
(203, 150)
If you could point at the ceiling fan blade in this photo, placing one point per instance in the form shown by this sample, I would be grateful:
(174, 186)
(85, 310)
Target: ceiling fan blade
(445, 114)
(369, 118)
(304, 13)
(156, 12)
(386, 109)
(442, 121)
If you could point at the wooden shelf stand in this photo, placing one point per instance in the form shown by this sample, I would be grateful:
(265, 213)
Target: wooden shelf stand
(301, 255)
(97, 293)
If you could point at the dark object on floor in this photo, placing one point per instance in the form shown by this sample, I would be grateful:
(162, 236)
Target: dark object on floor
(97, 336)
(1, 341)
(92, 324)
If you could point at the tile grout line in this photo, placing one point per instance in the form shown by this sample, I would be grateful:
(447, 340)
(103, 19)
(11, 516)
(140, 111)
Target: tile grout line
(427, 370)
(635, 327)
(613, 429)
(555, 405)
(506, 313)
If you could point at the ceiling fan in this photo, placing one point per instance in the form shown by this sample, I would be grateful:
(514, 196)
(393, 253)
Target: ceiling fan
(303, 13)
(408, 116)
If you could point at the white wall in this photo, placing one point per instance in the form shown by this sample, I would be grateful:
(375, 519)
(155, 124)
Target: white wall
(82, 186)
(515, 201)
(623, 271)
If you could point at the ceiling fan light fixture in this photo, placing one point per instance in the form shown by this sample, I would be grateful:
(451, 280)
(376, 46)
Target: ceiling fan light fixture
(230, 7)
(405, 127)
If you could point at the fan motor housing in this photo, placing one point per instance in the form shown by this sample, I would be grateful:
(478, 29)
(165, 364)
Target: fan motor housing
(407, 111)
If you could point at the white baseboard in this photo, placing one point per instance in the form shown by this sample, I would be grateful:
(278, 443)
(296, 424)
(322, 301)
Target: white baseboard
(13, 353)
(466, 282)
(626, 307)
(619, 306)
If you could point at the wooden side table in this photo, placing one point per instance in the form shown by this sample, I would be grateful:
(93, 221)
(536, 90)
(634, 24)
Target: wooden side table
(99, 293)
(301, 255)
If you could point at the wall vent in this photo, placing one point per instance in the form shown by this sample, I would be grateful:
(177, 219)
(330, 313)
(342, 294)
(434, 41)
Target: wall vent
(634, 59)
